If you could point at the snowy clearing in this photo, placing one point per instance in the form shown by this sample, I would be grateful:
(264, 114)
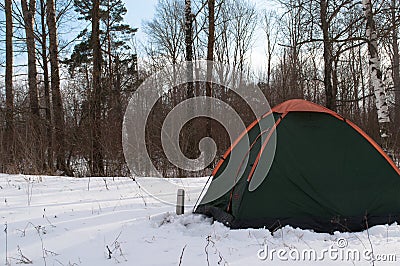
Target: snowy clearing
(58, 221)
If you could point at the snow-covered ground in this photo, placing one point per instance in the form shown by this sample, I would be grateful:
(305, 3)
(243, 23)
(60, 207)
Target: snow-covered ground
(66, 221)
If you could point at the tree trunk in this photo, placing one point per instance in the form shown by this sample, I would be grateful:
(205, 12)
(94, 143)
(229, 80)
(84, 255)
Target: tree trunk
(376, 75)
(29, 19)
(9, 138)
(330, 94)
(97, 153)
(49, 129)
(109, 44)
(210, 58)
(189, 45)
(118, 110)
(188, 143)
(58, 111)
(395, 63)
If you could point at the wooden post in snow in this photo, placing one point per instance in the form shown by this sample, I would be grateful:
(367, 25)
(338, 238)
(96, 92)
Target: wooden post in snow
(376, 75)
(180, 202)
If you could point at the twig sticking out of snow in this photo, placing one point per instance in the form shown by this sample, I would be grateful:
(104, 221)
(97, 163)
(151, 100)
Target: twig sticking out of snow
(6, 232)
(22, 258)
(115, 246)
(23, 232)
(105, 182)
(354, 234)
(38, 229)
(29, 189)
(88, 184)
(206, 248)
(369, 239)
(221, 258)
(109, 252)
(69, 263)
(45, 216)
(181, 257)
(140, 188)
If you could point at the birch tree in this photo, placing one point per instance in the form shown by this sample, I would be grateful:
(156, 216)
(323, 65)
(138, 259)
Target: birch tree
(328, 60)
(395, 58)
(376, 75)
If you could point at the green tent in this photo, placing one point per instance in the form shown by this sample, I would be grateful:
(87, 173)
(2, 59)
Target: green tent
(327, 175)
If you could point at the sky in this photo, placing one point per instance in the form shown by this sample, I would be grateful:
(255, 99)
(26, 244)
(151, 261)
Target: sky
(138, 11)
(141, 10)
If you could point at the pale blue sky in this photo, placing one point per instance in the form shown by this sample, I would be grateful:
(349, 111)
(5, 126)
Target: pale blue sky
(140, 10)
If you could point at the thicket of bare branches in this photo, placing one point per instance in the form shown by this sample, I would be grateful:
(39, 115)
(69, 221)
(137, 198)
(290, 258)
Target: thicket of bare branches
(318, 50)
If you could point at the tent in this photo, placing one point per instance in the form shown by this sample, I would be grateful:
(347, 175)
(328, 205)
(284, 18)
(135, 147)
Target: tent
(327, 175)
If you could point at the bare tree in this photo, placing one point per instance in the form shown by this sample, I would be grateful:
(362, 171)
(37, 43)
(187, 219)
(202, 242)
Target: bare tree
(294, 27)
(165, 34)
(235, 26)
(244, 21)
(46, 84)
(376, 75)
(9, 138)
(268, 27)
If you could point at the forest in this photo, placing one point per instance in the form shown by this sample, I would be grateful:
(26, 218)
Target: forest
(69, 67)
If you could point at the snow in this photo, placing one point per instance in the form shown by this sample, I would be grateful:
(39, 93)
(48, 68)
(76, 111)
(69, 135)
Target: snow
(59, 221)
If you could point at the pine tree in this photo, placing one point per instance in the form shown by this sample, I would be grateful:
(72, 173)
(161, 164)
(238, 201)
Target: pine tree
(106, 51)
(29, 10)
(59, 123)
